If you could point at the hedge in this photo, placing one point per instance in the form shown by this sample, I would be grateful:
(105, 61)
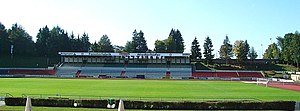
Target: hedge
(12, 101)
(160, 105)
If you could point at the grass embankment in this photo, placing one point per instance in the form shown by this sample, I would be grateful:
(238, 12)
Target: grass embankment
(144, 89)
(260, 67)
(26, 62)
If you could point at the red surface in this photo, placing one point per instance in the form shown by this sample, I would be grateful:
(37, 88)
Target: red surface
(250, 74)
(203, 74)
(32, 72)
(227, 74)
(168, 74)
(123, 73)
(78, 73)
(288, 86)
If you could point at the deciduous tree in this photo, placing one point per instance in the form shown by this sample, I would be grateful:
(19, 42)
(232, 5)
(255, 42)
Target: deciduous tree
(160, 46)
(22, 42)
(226, 50)
(272, 52)
(238, 51)
(170, 45)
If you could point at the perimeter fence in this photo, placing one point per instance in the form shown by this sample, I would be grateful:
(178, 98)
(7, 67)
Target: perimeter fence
(138, 98)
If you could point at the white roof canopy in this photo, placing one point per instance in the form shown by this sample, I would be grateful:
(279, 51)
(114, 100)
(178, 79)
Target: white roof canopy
(123, 54)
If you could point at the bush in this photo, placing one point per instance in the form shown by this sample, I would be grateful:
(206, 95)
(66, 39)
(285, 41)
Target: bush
(94, 103)
(214, 105)
(11, 101)
(160, 105)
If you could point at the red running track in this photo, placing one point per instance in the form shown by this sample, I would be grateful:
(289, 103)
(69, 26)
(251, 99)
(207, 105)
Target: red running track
(287, 86)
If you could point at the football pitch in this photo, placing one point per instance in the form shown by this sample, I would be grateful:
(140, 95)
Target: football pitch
(179, 90)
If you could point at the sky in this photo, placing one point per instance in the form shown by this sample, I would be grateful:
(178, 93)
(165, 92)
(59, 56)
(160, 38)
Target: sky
(257, 21)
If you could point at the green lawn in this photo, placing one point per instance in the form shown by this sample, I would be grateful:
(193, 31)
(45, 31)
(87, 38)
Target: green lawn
(144, 89)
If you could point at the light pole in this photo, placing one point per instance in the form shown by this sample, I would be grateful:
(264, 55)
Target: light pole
(12, 54)
(262, 53)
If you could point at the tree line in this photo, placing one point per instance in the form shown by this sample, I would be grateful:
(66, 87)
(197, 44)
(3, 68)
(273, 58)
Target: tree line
(16, 41)
(287, 49)
(240, 49)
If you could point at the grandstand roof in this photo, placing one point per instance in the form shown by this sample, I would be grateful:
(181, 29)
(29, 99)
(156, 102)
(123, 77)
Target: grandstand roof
(123, 54)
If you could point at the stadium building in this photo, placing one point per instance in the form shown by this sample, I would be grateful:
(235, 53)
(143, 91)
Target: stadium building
(132, 65)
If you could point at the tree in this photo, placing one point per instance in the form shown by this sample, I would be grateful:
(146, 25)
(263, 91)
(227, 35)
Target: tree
(138, 43)
(75, 43)
(170, 45)
(160, 46)
(129, 47)
(208, 56)
(226, 50)
(246, 50)
(21, 41)
(4, 41)
(289, 48)
(272, 52)
(195, 49)
(58, 41)
(42, 42)
(176, 35)
(173, 44)
(95, 46)
(280, 42)
(252, 54)
(85, 42)
(286, 47)
(296, 48)
(105, 44)
(240, 51)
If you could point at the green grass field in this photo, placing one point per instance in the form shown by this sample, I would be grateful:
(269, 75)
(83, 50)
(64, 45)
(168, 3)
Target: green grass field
(144, 89)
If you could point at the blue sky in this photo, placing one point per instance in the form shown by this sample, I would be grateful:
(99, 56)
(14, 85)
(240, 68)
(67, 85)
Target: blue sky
(254, 20)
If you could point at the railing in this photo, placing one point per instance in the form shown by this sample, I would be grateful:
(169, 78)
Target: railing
(4, 95)
(59, 96)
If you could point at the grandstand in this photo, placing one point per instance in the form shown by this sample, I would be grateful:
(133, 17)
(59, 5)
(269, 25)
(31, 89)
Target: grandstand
(124, 58)
(127, 65)
(116, 72)
(138, 65)
(124, 65)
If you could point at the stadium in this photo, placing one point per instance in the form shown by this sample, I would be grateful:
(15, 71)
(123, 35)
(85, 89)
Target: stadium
(155, 68)
(129, 65)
